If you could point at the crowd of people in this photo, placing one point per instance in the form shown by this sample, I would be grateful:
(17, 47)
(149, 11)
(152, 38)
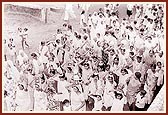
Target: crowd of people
(110, 64)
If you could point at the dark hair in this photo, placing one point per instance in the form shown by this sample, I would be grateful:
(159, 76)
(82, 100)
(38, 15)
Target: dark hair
(116, 58)
(42, 42)
(110, 77)
(57, 41)
(79, 36)
(98, 34)
(151, 51)
(33, 55)
(159, 63)
(107, 32)
(62, 76)
(142, 30)
(123, 50)
(129, 27)
(116, 78)
(146, 16)
(153, 66)
(143, 92)
(112, 50)
(135, 22)
(43, 77)
(58, 30)
(93, 76)
(100, 9)
(77, 88)
(138, 75)
(65, 101)
(138, 57)
(83, 12)
(132, 53)
(113, 13)
(25, 29)
(20, 29)
(5, 93)
(160, 7)
(70, 27)
(125, 70)
(148, 19)
(21, 85)
(75, 33)
(116, 94)
(85, 37)
(65, 24)
(53, 71)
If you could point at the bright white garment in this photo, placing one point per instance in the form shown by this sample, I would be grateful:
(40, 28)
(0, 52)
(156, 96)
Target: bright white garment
(65, 108)
(137, 67)
(37, 65)
(118, 104)
(108, 94)
(40, 101)
(160, 75)
(76, 100)
(22, 100)
(130, 7)
(140, 102)
(12, 54)
(123, 78)
(21, 57)
(161, 59)
(62, 89)
(69, 12)
(82, 20)
(97, 104)
(94, 19)
(149, 45)
(86, 74)
(100, 28)
(43, 51)
(95, 87)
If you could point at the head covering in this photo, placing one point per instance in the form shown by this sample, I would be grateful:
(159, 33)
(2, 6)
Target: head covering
(76, 77)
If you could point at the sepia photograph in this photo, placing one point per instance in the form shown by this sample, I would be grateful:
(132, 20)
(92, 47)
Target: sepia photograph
(98, 57)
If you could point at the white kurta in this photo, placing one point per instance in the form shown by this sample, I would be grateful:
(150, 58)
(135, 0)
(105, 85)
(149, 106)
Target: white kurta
(40, 101)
